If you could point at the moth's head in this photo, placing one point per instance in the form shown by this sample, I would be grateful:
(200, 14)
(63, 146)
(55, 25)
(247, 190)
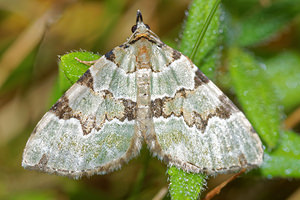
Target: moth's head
(139, 27)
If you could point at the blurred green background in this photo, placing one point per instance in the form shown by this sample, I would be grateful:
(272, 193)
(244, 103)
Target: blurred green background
(257, 46)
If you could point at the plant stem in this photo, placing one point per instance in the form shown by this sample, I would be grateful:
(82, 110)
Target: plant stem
(204, 29)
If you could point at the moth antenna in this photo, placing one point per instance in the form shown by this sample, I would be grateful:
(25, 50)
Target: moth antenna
(139, 17)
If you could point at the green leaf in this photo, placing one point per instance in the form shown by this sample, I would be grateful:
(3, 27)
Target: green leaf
(241, 7)
(284, 74)
(70, 70)
(256, 95)
(264, 23)
(185, 185)
(73, 69)
(208, 52)
(285, 160)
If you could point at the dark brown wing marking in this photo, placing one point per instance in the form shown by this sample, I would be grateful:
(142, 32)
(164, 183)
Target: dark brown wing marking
(63, 111)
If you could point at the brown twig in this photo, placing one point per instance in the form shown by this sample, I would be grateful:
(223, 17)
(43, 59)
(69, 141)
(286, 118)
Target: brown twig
(293, 119)
(295, 195)
(161, 193)
(218, 189)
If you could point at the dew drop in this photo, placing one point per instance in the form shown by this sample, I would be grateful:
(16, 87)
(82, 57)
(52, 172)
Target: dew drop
(269, 176)
(286, 149)
(288, 171)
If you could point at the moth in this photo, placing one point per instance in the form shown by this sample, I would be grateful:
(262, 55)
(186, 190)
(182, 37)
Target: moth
(142, 91)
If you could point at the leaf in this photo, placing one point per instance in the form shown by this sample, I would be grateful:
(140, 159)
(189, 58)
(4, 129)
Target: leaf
(73, 69)
(70, 70)
(285, 160)
(256, 95)
(208, 53)
(241, 7)
(265, 23)
(284, 74)
(185, 185)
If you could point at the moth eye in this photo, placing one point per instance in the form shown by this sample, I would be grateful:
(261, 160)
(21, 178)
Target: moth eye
(133, 28)
(147, 26)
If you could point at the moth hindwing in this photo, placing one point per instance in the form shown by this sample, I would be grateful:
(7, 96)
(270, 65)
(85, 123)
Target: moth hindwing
(142, 90)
